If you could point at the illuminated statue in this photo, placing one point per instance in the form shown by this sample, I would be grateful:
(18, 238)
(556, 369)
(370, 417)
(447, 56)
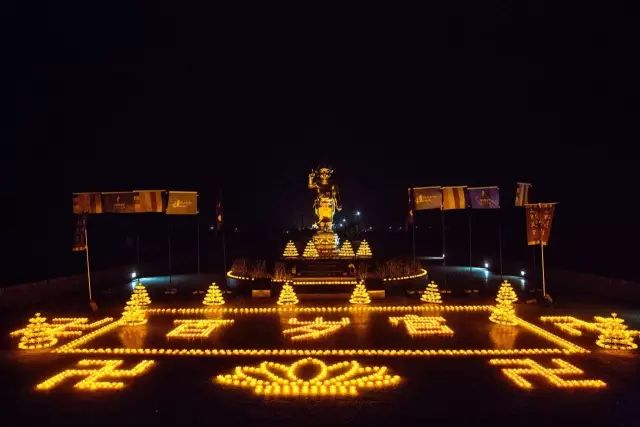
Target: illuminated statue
(327, 201)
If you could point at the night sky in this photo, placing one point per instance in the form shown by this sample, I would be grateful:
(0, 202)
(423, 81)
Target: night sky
(135, 95)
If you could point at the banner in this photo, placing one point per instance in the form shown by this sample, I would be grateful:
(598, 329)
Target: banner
(182, 203)
(79, 237)
(87, 203)
(453, 198)
(118, 202)
(426, 198)
(484, 197)
(148, 200)
(522, 193)
(539, 219)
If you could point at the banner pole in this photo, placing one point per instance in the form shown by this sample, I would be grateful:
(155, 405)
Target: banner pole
(444, 246)
(198, 239)
(169, 242)
(544, 287)
(413, 226)
(224, 256)
(500, 247)
(470, 252)
(86, 241)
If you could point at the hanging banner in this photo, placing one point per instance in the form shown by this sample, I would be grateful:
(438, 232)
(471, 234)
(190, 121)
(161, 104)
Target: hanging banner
(148, 201)
(426, 198)
(453, 198)
(539, 219)
(118, 202)
(87, 203)
(522, 193)
(182, 203)
(79, 237)
(484, 197)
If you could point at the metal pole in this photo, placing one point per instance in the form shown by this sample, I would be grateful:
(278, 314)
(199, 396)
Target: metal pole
(544, 286)
(413, 226)
(500, 248)
(224, 256)
(198, 240)
(138, 250)
(470, 253)
(86, 241)
(169, 241)
(444, 247)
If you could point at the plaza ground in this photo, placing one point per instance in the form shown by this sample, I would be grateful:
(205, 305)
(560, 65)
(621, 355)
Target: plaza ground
(442, 390)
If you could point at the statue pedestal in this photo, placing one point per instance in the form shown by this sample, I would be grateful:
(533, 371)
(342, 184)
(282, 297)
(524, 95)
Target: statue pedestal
(326, 243)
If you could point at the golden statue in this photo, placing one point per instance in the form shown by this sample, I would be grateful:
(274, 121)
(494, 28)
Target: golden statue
(326, 202)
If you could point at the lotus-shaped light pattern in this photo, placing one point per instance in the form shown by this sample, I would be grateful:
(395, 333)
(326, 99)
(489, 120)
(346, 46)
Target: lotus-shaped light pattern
(345, 378)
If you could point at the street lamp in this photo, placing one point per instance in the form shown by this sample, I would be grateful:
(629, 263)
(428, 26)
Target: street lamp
(486, 264)
(522, 273)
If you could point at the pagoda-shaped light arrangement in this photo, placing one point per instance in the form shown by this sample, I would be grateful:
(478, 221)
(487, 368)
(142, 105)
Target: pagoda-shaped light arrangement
(290, 250)
(615, 335)
(287, 295)
(134, 312)
(360, 294)
(213, 296)
(364, 250)
(504, 313)
(143, 295)
(346, 250)
(432, 294)
(310, 251)
(37, 335)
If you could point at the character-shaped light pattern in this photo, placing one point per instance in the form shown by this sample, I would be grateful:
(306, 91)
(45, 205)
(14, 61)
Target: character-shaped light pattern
(418, 326)
(96, 370)
(314, 329)
(529, 367)
(196, 328)
(340, 379)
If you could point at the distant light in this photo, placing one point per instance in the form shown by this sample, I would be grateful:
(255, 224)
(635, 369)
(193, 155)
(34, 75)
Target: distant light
(134, 275)
(443, 255)
(486, 264)
(344, 220)
(357, 213)
(522, 273)
(211, 227)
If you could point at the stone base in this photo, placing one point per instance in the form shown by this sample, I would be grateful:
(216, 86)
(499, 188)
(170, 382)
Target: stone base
(326, 243)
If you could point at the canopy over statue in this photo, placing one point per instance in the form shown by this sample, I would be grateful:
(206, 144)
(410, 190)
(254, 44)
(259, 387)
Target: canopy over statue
(327, 199)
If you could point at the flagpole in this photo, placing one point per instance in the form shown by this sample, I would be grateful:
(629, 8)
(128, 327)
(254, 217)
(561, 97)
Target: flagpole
(169, 242)
(544, 287)
(500, 246)
(444, 246)
(470, 253)
(198, 239)
(86, 241)
(413, 226)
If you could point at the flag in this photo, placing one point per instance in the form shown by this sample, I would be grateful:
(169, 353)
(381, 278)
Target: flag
(119, 202)
(484, 197)
(219, 215)
(539, 219)
(79, 237)
(426, 198)
(522, 193)
(182, 203)
(453, 198)
(87, 203)
(148, 201)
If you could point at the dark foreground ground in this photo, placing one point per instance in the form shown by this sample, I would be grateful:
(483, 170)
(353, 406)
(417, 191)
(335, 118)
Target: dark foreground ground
(440, 390)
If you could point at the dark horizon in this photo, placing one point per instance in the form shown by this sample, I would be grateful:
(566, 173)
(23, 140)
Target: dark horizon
(132, 96)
